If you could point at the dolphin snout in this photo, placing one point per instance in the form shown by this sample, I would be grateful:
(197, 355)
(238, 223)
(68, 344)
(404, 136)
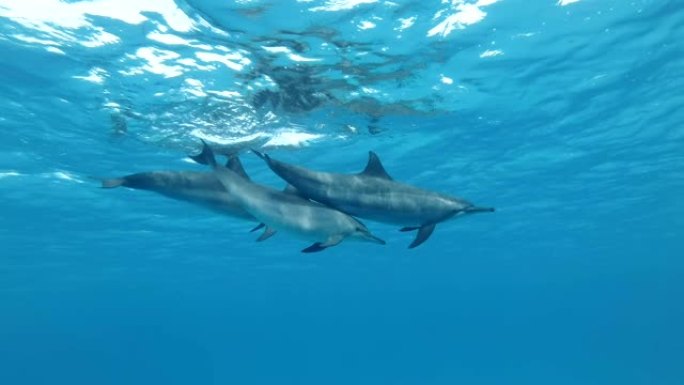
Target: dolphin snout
(367, 236)
(480, 210)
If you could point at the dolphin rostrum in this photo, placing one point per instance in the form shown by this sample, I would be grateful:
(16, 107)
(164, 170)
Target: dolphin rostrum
(287, 211)
(374, 195)
(201, 188)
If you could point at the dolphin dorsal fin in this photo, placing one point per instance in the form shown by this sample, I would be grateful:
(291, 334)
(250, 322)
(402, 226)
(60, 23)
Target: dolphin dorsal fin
(375, 168)
(290, 189)
(205, 157)
(235, 165)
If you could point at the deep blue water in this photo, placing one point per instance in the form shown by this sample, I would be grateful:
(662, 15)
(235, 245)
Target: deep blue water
(565, 116)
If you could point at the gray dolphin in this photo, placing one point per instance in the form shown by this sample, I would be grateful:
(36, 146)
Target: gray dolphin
(201, 188)
(374, 195)
(287, 211)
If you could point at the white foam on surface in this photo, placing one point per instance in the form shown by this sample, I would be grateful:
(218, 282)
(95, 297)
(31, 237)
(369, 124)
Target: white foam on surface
(491, 53)
(340, 5)
(291, 138)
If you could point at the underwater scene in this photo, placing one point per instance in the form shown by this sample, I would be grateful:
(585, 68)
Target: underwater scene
(369, 192)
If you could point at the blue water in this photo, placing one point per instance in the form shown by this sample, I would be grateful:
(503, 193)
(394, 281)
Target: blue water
(564, 115)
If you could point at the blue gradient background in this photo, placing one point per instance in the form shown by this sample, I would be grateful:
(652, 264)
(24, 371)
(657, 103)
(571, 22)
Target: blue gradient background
(574, 135)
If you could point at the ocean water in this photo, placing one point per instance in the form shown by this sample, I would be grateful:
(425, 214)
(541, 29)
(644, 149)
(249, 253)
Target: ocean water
(564, 115)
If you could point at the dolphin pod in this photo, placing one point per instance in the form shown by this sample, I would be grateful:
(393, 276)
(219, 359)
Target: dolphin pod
(319, 206)
(287, 211)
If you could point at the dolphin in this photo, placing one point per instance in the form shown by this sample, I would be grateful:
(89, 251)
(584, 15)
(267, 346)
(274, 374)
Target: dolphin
(201, 188)
(287, 211)
(373, 194)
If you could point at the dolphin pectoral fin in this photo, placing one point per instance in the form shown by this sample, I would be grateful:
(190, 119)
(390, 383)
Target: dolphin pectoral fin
(316, 247)
(320, 246)
(423, 234)
(375, 168)
(268, 233)
(257, 227)
(408, 228)
(112, 183)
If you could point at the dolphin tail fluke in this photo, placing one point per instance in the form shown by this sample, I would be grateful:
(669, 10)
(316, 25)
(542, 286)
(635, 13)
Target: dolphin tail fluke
(112, 183)
(423, 234)
(206, 156)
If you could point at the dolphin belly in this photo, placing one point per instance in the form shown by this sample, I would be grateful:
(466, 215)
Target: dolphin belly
(303, 222)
